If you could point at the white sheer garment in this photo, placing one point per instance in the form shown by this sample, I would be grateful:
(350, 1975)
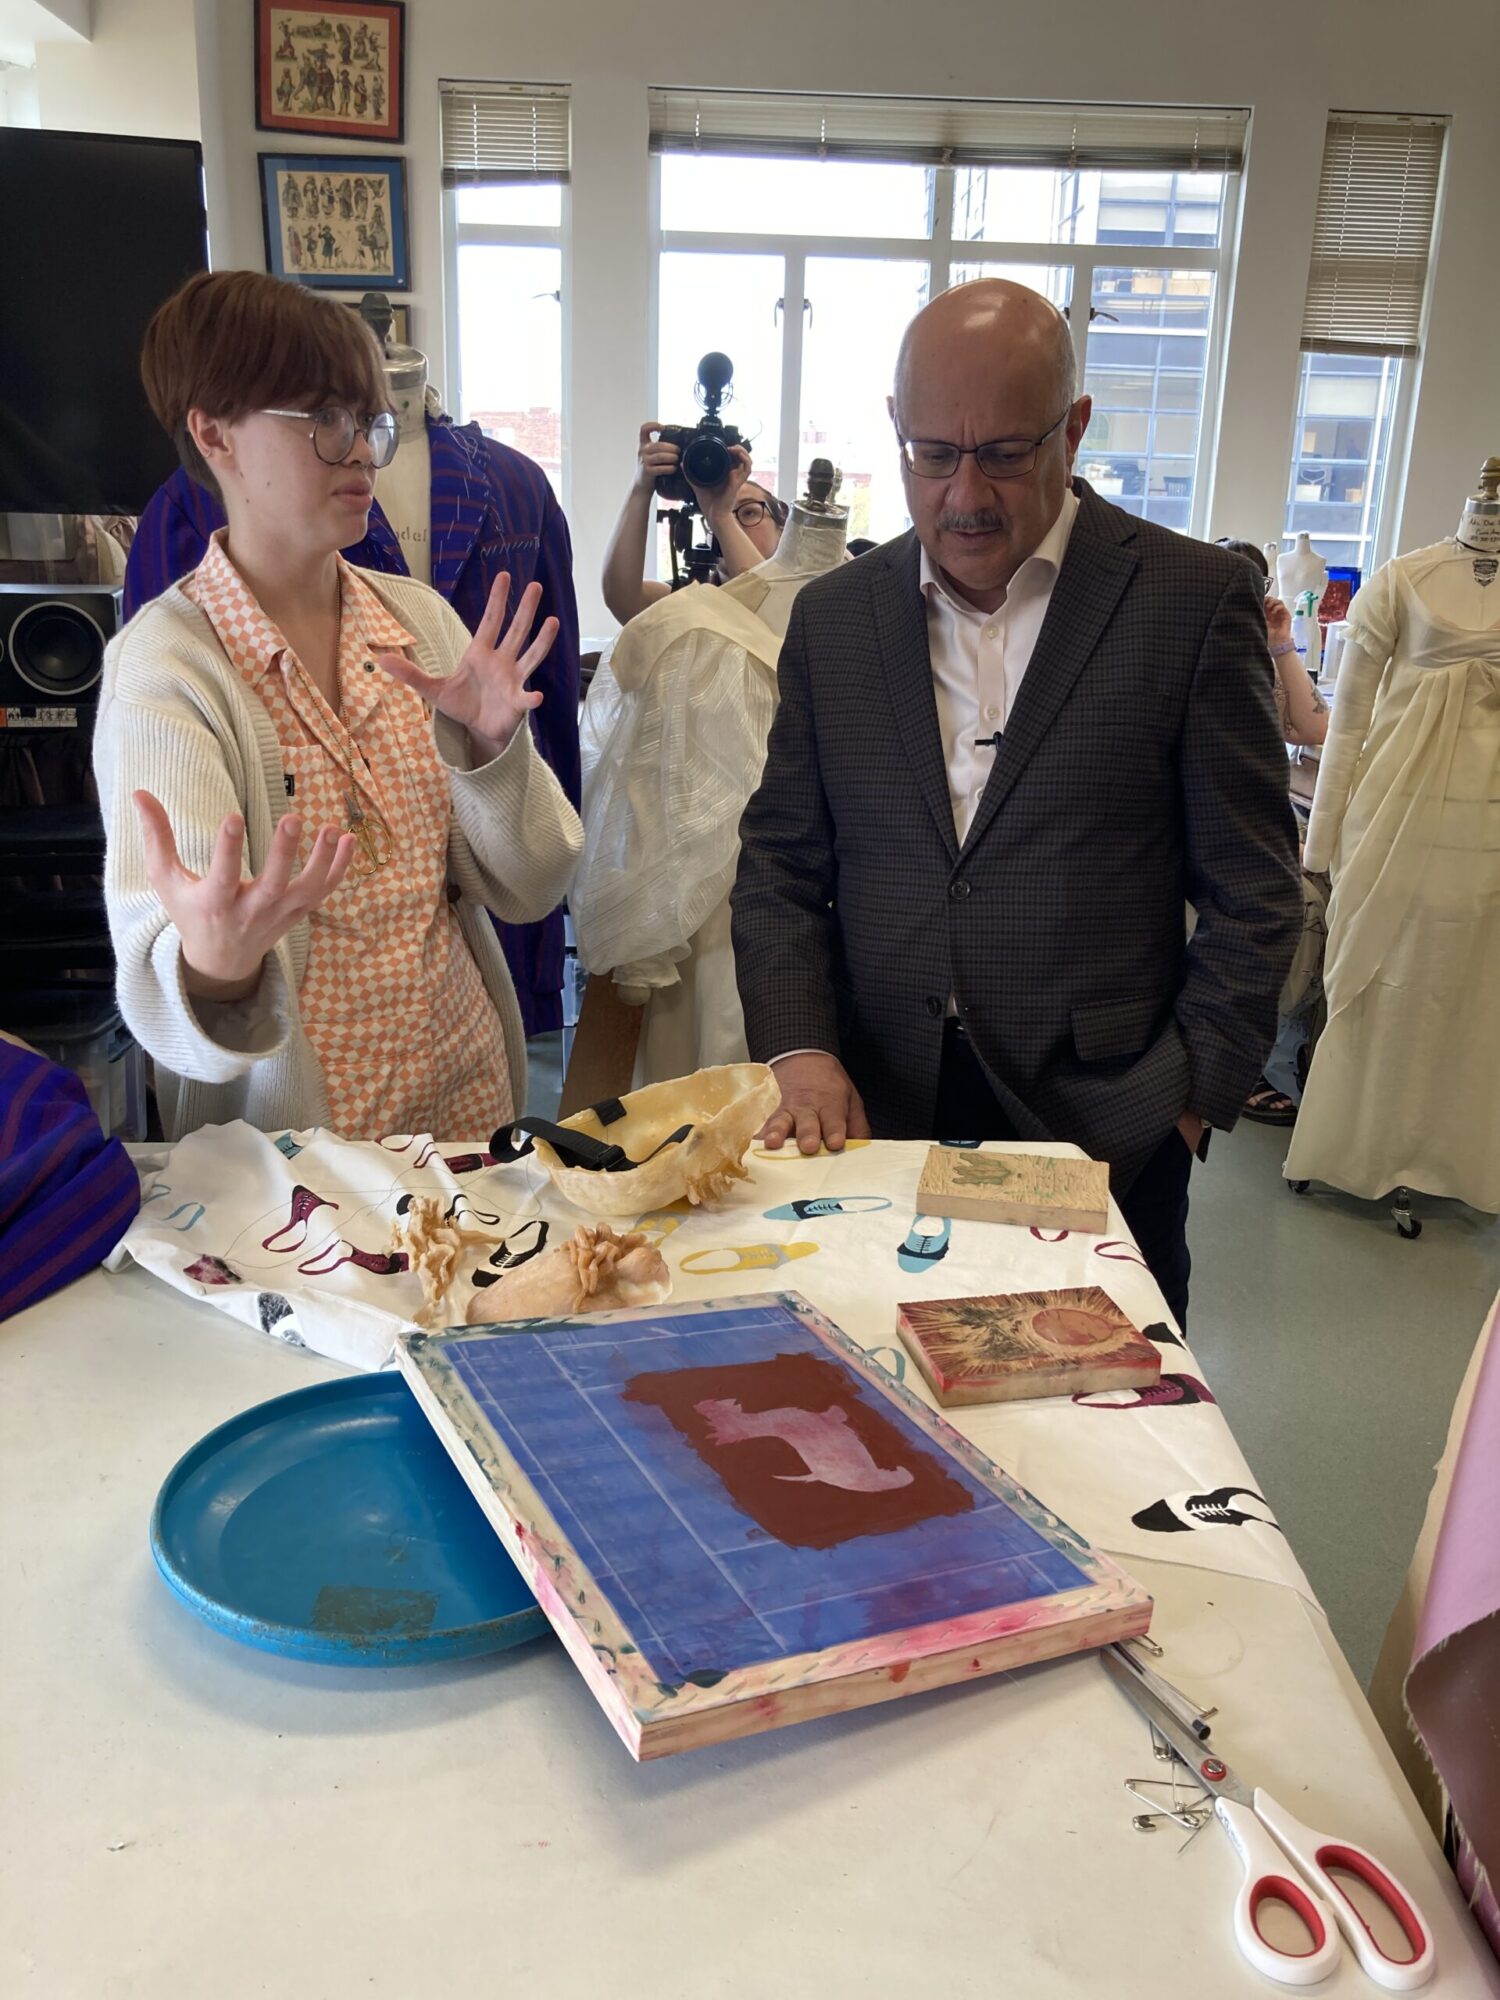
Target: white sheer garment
(673, 738)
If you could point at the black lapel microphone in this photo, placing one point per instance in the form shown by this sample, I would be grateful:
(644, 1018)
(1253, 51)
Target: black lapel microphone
(988, 742)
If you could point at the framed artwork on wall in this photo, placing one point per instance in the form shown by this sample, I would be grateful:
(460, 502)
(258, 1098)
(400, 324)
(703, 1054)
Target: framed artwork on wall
(338, 70)
(400, 320)
(336, 221)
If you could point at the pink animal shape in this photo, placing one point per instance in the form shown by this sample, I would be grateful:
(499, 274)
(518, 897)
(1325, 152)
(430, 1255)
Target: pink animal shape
(822, 1439)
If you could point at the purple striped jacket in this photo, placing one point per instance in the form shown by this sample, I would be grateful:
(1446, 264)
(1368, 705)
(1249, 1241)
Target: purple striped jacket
(492, 510)
(67, 1194)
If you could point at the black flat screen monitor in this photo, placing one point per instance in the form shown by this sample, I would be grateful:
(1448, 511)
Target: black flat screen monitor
(98, 231)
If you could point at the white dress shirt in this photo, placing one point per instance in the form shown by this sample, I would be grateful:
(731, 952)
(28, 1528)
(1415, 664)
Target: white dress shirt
(979, 657)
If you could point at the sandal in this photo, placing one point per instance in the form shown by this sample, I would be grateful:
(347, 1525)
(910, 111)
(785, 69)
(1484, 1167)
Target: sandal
(1266, 1105)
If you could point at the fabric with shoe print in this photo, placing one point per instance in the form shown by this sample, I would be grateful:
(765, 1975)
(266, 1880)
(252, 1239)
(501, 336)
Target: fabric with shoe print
(330, 1281)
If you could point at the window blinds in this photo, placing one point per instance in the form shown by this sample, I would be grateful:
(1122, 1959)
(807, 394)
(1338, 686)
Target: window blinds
(494, 134)
(939, 131)
(1377, 201)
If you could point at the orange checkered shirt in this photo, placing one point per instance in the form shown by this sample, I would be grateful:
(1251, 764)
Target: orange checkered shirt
(392, 1000)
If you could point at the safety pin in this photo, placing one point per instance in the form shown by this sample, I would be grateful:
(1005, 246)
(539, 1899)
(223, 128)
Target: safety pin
(1148, 1645)
(1188, 1817)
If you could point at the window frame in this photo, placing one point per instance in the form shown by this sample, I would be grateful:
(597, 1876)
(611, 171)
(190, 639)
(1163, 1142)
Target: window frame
(459, 235)
(1382, 532)
(940, 251)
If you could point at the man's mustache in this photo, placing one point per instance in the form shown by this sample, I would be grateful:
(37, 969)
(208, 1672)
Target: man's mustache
(985, 522)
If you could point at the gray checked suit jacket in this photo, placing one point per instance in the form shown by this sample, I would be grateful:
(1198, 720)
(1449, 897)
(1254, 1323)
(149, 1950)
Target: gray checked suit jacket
(1142, 768)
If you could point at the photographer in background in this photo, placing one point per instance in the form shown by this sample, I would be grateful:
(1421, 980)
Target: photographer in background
(743, 518)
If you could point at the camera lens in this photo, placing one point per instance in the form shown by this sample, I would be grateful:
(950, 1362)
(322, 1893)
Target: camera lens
(706, 462)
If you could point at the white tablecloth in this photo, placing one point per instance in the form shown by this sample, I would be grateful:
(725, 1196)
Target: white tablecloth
(230, 1219)
(183, 1817)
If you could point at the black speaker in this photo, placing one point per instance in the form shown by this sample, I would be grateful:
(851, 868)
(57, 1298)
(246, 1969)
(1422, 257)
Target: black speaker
(52, 641)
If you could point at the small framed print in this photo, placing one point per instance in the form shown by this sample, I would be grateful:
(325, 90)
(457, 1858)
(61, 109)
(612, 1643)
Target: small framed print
(400, 320)
(338, 70)
(336, 221)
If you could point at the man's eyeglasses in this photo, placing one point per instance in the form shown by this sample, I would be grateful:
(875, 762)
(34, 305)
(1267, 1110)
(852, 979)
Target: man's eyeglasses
(1002, 458)
(334, 430)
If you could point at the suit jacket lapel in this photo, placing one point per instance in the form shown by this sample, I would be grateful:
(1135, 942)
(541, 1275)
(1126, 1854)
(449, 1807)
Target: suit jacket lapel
(901, 617)
(460, 497)
(1094, 573)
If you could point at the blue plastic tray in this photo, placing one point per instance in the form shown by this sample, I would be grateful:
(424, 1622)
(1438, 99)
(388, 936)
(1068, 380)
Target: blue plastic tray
(331, 1525)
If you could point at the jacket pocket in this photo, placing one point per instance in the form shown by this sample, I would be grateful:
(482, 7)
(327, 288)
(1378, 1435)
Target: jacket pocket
(1113, 1028)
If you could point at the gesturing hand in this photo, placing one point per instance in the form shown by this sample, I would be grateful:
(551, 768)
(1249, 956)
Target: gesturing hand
(1278, 623)
(818, 1103)
(228, 925)
(487, 691)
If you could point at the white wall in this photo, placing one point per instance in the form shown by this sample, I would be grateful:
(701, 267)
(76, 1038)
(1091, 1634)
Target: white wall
(138, 74)
(1290, 60)
(19, 103)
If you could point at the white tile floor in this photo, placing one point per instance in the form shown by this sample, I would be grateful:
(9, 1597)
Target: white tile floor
(1334, 1346)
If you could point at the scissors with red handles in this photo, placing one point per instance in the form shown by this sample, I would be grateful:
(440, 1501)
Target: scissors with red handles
(1286, 1862)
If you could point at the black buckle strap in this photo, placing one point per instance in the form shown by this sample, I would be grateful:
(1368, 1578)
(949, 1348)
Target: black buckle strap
(574, 1148)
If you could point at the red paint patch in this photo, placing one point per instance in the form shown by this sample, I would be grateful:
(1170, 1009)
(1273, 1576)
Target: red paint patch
(799, 1450)
(898, 1674)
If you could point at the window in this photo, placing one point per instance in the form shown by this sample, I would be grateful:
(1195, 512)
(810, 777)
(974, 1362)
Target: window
(800, 235)
(1366, 291)
(1346, 404)
(505, 173)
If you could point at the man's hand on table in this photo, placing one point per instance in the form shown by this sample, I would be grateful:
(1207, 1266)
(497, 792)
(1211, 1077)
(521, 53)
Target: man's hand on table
(818, 1104)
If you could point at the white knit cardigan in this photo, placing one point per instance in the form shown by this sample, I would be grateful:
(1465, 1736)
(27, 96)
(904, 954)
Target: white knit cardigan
(176, 719)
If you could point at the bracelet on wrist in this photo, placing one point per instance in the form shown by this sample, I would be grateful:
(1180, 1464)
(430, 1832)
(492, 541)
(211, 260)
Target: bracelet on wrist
(1279, 652)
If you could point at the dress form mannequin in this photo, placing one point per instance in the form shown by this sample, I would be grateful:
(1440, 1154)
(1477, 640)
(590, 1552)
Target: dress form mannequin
(813, 540)
(405, 485)
(1479, 525)
(1300, 568)
(1404, 1089)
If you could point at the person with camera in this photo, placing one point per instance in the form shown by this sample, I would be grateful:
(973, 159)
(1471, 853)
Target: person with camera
(743, 518)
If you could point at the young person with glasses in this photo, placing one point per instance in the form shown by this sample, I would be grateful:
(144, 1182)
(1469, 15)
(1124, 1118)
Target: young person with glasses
(314, 781)
(745, 519)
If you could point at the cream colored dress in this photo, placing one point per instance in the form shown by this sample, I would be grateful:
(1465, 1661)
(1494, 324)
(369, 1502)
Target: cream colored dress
(1405, 1085)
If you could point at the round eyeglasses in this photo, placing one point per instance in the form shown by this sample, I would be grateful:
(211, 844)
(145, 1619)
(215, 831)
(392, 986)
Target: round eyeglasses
(334, 430)
(750, 513)
(1002, 458)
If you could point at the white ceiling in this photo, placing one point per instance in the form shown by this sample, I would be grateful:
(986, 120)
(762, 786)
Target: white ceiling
(24, 23)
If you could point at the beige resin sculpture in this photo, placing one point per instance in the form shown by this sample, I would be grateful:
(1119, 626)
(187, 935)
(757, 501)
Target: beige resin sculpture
(724, 1108)
(596, 1271)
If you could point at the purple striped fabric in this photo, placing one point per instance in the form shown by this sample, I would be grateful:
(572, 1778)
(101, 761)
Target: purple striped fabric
(492, 510)
(67, 1194)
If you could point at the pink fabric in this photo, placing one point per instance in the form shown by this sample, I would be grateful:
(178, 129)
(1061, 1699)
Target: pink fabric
(1453, 1687)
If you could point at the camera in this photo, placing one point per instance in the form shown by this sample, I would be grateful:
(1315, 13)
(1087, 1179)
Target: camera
(705, 461)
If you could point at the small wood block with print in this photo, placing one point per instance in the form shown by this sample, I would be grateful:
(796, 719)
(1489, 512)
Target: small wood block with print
(1020, 1344)
(1036, 1188)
